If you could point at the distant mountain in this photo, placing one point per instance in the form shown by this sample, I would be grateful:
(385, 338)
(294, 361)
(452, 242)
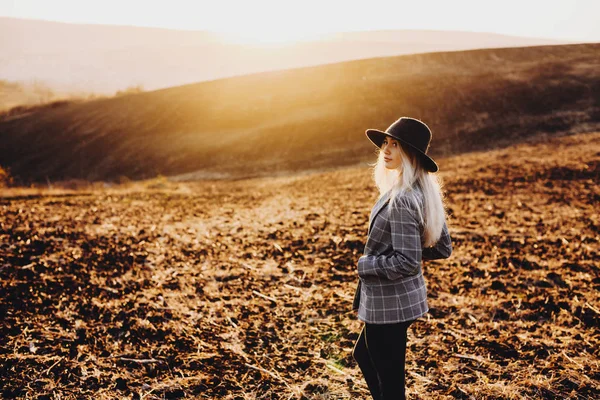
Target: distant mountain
(106, 58)
(309, 118)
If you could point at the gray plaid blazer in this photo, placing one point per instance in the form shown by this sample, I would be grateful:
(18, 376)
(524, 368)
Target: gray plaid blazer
(391, 287)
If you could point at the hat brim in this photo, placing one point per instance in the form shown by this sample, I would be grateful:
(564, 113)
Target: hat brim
(376, 137)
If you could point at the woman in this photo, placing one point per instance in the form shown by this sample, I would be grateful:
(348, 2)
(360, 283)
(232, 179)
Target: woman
(407, 225)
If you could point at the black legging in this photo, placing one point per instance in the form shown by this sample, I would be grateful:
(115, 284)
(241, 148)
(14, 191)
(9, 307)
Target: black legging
(380, 352)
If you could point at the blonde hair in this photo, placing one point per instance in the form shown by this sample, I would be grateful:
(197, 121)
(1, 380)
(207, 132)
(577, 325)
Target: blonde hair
(416, 188)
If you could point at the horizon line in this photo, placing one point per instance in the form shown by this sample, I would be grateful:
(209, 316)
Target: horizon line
(314, 36)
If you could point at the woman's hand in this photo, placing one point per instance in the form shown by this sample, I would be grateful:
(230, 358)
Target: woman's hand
(442, 249)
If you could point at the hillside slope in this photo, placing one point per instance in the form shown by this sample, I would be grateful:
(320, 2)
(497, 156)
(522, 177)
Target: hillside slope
(106, 58)
(310, 117)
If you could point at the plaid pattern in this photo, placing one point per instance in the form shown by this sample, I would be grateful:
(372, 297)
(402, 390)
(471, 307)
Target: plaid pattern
(391, 285)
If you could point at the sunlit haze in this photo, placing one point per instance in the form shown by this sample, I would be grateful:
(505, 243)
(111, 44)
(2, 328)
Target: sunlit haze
(272, 22)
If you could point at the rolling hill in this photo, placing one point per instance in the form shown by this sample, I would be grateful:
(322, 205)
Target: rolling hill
(309, 118)
(107, 58)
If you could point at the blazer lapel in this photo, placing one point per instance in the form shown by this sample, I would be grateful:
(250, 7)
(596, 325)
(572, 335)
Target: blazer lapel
(377, 208)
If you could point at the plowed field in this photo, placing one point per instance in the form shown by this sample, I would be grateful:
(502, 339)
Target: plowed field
(243, 289)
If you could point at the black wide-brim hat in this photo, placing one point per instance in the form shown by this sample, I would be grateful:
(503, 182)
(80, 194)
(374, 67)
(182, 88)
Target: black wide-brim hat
(411, 132)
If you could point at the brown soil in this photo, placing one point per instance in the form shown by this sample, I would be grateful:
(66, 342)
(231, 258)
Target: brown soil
(242, 290)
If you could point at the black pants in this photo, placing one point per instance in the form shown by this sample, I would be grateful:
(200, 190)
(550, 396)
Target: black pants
(380, 352)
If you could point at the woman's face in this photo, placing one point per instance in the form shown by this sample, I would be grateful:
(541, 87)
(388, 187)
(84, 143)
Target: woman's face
(391, 153)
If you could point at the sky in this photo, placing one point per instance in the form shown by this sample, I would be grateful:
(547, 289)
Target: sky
(289, 20)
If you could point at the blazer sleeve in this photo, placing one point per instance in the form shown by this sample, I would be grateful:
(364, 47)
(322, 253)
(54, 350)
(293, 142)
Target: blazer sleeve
(405, 259)
(442, 249)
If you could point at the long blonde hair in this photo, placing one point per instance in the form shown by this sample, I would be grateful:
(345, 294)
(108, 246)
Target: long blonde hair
(417, 188)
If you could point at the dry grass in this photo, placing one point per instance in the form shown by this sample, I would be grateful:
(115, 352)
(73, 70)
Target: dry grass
(18, 99)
